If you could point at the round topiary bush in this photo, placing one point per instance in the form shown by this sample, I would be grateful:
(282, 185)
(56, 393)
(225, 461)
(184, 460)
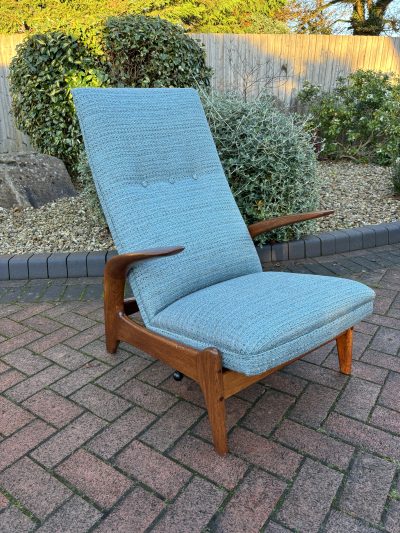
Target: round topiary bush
(138, 51)
(41, 75)
(151, 52)
(268, 157)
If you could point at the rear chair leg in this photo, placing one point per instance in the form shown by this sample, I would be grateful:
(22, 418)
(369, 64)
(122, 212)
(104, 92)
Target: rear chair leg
(211, 383)
(344, 345)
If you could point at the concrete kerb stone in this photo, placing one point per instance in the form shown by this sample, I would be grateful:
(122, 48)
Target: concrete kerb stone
(91, 264)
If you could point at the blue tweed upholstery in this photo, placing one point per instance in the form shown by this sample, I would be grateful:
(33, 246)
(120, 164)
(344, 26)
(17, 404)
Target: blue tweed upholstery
(261, 320)
(160, 183)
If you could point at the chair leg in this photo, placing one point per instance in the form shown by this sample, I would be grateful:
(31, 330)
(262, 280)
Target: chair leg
(344, 345)
(113, 303)
(111, 342)
(210, 374)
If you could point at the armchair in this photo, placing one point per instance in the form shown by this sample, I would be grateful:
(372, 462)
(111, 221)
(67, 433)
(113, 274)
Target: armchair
(208, 309)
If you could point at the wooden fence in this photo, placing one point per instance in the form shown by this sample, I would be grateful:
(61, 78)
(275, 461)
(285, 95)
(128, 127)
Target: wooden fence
(250, 63)
(11, 139)
(282, 63)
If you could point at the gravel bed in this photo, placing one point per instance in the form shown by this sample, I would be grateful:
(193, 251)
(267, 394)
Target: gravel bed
(67, 225)
(359, 194)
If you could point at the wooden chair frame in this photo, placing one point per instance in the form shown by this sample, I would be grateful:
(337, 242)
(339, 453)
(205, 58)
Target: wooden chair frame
(203, 366)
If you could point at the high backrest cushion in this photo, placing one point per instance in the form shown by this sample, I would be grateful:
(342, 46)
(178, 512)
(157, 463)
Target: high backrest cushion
(161, 183)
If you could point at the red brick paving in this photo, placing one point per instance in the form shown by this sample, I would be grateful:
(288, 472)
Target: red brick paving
(152, 399)
(252, 503)
(358, 398)
(314, 405)
(26, 361)
(316, 444)
(12, 519)
(193, 508)
(135, 513)
(310, 497)
(171, 425)
(66, 356)
(386, 419)
(69, 439)
(74, 516)
(100, 402)
(35, 489)
(10, 378)
(235, 409)
(267, 412)
(100, 443)
(96, 479)
(3, 501)
(160, 473)
(53, 408)
(392, 522)
(120, 432)
(367, 487)
(265, 453)
(21, 442)
(199, 456)
(35, 383)
(12, 417)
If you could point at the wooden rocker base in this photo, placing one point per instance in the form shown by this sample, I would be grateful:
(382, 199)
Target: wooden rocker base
(203, 366)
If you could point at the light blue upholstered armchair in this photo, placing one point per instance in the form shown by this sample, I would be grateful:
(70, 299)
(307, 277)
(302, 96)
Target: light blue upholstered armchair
(209, 311)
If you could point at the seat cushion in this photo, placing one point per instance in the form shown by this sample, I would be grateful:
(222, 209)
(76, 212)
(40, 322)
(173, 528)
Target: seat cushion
(262, 320)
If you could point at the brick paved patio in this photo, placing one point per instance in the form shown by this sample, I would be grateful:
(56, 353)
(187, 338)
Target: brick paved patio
(90, 441)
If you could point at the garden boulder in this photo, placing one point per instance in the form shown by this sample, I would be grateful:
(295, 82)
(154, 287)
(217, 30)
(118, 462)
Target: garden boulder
(32, 180)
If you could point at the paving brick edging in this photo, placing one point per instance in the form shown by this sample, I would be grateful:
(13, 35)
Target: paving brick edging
(91, 264)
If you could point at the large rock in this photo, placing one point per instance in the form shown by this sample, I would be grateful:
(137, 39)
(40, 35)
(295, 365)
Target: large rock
(32, 180)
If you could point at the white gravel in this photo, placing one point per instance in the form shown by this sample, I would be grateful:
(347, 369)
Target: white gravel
(359, 194)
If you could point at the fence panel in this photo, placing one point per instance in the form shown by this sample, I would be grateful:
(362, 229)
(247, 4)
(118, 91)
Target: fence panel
(11, 139)
(283, 63)
(250, 63)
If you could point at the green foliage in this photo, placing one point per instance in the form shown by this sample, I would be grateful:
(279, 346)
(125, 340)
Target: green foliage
(359, 119)
(268, 158)
(151, 52)
(234, 16)
(224, 16)
(42, 73)
(138, 51)
(395, 172)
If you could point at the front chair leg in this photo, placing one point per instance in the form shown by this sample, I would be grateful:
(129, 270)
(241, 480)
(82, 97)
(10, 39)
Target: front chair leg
(344, 345)
(211, 383)
(113, 307)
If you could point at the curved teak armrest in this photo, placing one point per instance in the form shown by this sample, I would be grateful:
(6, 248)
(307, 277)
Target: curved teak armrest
(119, 265)
(115, 273)
(268, 225)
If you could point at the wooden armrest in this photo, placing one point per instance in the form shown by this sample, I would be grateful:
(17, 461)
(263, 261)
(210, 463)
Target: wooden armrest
(118, 266)
(268, 225)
